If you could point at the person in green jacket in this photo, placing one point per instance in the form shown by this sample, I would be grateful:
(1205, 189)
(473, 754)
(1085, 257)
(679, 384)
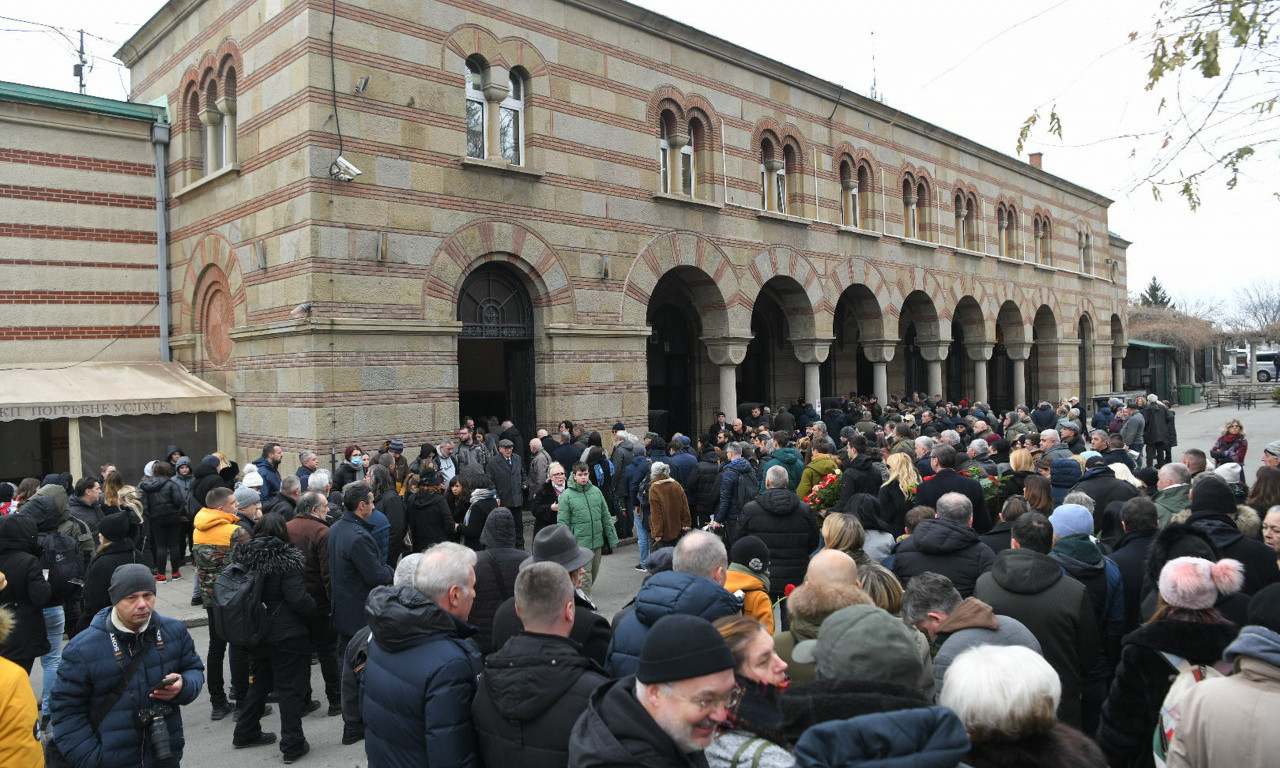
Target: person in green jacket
(821, 465)
(786, 457)
(584, 510)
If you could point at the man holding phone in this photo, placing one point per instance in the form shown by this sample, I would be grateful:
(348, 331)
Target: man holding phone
(115, 702)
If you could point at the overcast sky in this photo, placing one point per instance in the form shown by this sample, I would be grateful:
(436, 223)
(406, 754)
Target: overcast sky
(977, 68)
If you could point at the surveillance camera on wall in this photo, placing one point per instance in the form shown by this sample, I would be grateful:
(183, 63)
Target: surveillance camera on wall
(342, 170)
(300, 311)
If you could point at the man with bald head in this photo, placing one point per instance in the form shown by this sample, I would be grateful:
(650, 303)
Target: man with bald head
(830, 584)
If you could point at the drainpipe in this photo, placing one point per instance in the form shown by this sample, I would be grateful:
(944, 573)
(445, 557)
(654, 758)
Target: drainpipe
(160, 139)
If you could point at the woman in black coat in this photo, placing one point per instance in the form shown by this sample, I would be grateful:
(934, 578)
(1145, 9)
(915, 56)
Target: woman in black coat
(165, 508)
(27, 592)
(282, 662)
(426, 512)
(117, 549)
(389, 503)
(546, 503)
(1185, 625)
(496, 569)
(484, 500)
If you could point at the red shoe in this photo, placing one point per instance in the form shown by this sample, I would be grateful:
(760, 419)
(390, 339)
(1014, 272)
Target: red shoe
(160, 577)
(176, 575)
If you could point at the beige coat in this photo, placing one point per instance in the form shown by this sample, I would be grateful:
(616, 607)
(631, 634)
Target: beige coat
(1229, 721)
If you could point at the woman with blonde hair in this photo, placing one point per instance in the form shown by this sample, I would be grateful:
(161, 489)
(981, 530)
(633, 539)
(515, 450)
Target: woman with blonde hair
(897, 493)
(844, 533)
(1011, 483)
(1232, 445)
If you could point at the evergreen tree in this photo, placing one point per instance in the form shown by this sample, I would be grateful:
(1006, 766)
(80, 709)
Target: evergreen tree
(1154, 295)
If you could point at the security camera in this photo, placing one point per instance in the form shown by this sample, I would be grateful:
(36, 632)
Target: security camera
(342, 170)
(302, 310)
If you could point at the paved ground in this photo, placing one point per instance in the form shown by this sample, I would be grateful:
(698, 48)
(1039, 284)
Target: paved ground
(209, 743)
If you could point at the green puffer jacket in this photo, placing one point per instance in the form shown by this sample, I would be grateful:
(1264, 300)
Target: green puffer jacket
(583, 509)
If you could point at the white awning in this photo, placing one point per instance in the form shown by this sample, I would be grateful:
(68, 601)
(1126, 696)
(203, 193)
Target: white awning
(73, 390)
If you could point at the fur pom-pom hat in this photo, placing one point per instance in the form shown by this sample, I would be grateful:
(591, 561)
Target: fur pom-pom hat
(1195, 583)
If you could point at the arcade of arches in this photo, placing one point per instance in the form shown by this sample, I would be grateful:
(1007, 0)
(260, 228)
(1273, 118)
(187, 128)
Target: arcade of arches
(711, 339)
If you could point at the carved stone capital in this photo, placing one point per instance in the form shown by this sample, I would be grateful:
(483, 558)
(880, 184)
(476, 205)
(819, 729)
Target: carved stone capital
(726, 351)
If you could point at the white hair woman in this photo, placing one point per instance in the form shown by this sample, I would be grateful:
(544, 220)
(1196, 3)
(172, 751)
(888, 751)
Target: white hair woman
(1008, 697)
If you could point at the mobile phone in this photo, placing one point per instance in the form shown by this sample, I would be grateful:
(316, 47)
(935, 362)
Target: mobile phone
(167, 681)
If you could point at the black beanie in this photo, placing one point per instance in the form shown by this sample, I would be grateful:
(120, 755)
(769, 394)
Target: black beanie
(114, 527)
(1212, 495)
(1264, 608)
(682, 647)
(752, 553)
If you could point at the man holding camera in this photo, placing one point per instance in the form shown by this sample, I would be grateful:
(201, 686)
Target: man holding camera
(115, 702)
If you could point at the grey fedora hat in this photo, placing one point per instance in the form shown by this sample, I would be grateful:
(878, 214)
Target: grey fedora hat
(557, 544)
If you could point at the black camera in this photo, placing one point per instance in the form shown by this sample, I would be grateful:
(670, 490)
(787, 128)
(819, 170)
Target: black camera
(153, 723)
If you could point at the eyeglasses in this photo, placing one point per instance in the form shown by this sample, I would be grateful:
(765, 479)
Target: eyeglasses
(710, 703)
(557, 474)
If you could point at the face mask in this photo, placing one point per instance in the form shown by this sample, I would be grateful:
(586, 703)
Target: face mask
(356, 460)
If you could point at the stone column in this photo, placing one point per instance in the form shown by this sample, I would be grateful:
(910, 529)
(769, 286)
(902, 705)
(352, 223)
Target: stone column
(728, 354)
(677, 141)
(1018, 354)
(934, 352)
(496, 88)
(812, 352)
(850, 203)
(979, 354)
(1117, 366)
(212, 120)
(879, 352)
(771, 168)
(227, 106)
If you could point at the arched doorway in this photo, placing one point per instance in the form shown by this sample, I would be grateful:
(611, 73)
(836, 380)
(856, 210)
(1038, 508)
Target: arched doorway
(495, 348)
(919, 326)
(847, 368)
(757, 374)
(1043, 361)
(672, 356)
(1010, 331)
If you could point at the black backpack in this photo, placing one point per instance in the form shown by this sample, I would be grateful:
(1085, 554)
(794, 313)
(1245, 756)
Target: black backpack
(747, 489)
(61, 558)
(241, 616)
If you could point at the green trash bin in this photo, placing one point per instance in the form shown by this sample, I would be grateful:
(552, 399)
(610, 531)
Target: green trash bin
(1185, 394)
(1197, 392)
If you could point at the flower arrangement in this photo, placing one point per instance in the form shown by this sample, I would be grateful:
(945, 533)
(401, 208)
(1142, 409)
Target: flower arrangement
(990, 485)
(824, 495)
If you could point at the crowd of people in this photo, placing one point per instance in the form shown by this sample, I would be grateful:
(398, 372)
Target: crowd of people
(922, 581)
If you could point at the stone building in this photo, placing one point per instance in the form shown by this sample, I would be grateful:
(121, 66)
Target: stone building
(87, 375)
(580, 209)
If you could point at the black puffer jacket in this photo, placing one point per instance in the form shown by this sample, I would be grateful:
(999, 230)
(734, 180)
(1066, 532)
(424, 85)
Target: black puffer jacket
(1259, 559)
(429, 520)
(97, 579)
(617, 732)
(859, 476)
(786, 525)
(285, 588)
(703, 486)
(1143, 678)
(163, 498)
(532, 691)
(497, 566)
(206, 479)
(27, 592)
(945, 547)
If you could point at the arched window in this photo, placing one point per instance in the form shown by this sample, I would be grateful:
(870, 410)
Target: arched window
(910, 213)
(1007, 221)
(511, 121)
(783, 180)
(1085, 238)
(475, 110)
(691, 156)
(212, 119)
(924, 230)
(1042, 231)
(770, 165)
(966, 218)
(850, 216)
(863, 196)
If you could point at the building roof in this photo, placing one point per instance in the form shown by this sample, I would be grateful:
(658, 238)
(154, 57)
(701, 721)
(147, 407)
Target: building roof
(48, 97)
(1149, 344)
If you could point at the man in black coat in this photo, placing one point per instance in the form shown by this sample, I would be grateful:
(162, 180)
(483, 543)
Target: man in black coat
(1141, 524)
(506, 470)
(355, 565)
(786, 525)
(946, 545)
(1108, 493)
(947, 480)
(1213, 510)
(538, 683)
